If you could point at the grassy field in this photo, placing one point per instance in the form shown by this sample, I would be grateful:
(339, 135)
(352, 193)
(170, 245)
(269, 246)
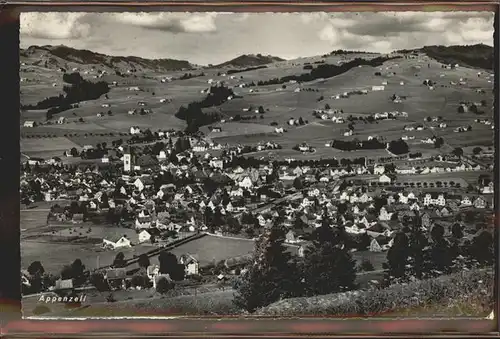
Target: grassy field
(283, 104)
(36, 147)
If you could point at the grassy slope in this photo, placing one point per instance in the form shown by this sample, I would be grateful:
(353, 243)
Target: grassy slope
(458, 295)
(479, 55)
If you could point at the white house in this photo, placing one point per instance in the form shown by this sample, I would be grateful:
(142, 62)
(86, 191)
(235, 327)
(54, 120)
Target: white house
(379, 169)
(434, 199)
(120, 243)
(246, 183)
(29, 124)
(384, 215)
(191, 264)
(135, 130)
(466, 201)
(375, 246)
(384, 179)
(378, 88)
(144, 236)
(489, 189)
(216, 163)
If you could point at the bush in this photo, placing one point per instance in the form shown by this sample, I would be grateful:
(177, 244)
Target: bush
(110, 298)
(163, 285)
(366, 266)
(424, 293)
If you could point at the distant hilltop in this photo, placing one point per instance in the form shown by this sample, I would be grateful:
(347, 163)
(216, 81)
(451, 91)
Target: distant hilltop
(58, 55)
(249, 60)
(479, 55)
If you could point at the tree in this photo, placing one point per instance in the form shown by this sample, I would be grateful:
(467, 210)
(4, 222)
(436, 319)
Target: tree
(272, 275)
(143, 260)
(397, 258)
(327, 107)
(163, 285)
(440, 252)
(459, 152)
(477, 150)
(36, 269)
(169, 265)
(119, 261)
(78, 272)
(328, 266)
(297, 183)
(261, 110)
(97, 279)
(482, 248)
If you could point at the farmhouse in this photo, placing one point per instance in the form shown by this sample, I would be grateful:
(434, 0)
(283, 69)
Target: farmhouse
(135, 130)
(384, 179)
(144, 236)
(29, 124)
(121, 242)
(191, 264)
(116, 277)
(434, 199)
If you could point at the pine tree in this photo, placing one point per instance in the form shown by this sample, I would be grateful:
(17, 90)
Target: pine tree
(328, 266)
(418, 250)
(272, 276)
(397, 259)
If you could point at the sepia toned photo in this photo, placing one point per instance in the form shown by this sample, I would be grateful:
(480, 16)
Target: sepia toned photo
(257, 164)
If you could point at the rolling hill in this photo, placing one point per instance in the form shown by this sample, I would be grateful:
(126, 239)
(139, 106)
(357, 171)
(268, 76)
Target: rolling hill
(59, 55)
(249, 60)
(479, 55)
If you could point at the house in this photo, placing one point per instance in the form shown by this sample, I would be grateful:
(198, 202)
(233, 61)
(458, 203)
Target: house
(378, 88)
(216, 130)
(480, 202)
(375, 246)
(302, 251)
(144, 236)
(120, 243)
(246, 183)
(378, 169)
(216, 163)
(152, 272)
(135, 130)
(191, 264)
(384, 179)
(29, 124)
(488, 189)
(115, 277)
(466, 201)
(384, 215)
(66, 284)
(290, 237)
(434, 198)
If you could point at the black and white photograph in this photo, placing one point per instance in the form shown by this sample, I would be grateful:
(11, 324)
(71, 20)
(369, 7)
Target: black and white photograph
(257, 164)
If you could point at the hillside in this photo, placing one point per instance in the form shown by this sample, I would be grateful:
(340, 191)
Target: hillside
(248, 60)
(57, 55)
(448, 294)
(480, 55)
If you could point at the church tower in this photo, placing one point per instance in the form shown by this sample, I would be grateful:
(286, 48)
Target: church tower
(127, 159)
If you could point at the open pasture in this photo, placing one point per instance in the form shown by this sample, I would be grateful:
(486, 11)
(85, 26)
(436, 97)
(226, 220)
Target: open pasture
(95, 232)
(37, 146)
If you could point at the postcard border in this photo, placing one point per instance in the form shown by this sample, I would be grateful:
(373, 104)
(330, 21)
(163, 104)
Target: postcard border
(11, 322)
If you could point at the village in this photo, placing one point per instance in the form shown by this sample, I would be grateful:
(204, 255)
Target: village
(161, 195)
